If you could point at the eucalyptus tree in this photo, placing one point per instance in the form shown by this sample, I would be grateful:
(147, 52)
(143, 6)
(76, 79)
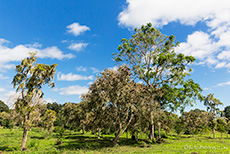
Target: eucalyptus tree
(212, 104)
(28, 81)
(115, 94)
(48, 121)
(152, 59)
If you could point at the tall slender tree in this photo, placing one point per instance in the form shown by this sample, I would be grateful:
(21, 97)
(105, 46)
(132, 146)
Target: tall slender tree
(152, 59)
(28, 81)
(212, 104)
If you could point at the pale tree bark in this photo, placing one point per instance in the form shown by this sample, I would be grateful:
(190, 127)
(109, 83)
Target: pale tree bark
(99, 133)
(159, 130)
(25, 132)
(120, 131)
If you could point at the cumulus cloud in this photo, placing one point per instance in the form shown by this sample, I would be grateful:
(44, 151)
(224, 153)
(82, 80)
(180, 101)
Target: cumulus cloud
(76, 29)
(162, 12)
(20, 52)
(210, 47)
(73, 77)
(73, 90)
(77, 46)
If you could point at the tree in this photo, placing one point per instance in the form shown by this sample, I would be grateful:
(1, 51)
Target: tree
(3, 107)
(115, 94)
(227, 112)
(48, 120)
(212, 103)
(28, 81)
(152, 59)
(221, 126)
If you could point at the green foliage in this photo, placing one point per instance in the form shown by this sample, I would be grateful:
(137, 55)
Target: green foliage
(227, 112)
(60, 131)
(28, 81)
(3, 107)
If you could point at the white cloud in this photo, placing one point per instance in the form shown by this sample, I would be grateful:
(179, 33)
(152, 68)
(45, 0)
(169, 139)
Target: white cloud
(113, 68)
(20, 52)
(77, 46)
(210, 47)
(73, 77)
(49, 100)
(73, 90)
(95, 70)
(2, 41)
(198, 45)
(90, 83)
(3, 77)
(76, 29)
(223, 84)
(162, 12)
(81, 69)
(221, 65)
(2, 89)
(206, 89)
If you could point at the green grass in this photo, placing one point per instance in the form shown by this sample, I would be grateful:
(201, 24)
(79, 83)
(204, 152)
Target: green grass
(75, 142)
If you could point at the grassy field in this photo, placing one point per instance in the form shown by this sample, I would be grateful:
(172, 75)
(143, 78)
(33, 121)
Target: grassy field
(75, 142)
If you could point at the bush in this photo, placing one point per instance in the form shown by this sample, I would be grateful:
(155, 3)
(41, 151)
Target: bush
(59, 130)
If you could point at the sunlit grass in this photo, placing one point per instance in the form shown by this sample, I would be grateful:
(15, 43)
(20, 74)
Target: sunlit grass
(75, 142)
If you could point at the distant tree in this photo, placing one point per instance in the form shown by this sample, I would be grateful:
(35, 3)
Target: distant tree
(4, 118)
(192, 121)
(221, 126)
(3, 107)
(179, 126)
(28, 81)
(152, 59)
(48, 120)
(227, 112)
(212, 106)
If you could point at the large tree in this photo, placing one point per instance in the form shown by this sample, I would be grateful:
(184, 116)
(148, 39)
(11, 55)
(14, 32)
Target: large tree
(28, 81)
(114, 95)
(152, 59)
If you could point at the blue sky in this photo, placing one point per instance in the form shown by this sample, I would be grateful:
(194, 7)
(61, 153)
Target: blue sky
(80, 36)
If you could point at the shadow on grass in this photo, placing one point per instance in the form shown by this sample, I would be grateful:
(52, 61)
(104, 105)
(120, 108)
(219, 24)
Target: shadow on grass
(6, 148)
(37, 137)
(92, 143)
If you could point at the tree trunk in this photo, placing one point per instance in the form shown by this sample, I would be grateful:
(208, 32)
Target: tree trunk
(213, 131)
(25, 132)
(151, 136)
(115, 139)
(83, 129)
(99, 133)
(159, 130)
(137, 136)
(152, 130)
